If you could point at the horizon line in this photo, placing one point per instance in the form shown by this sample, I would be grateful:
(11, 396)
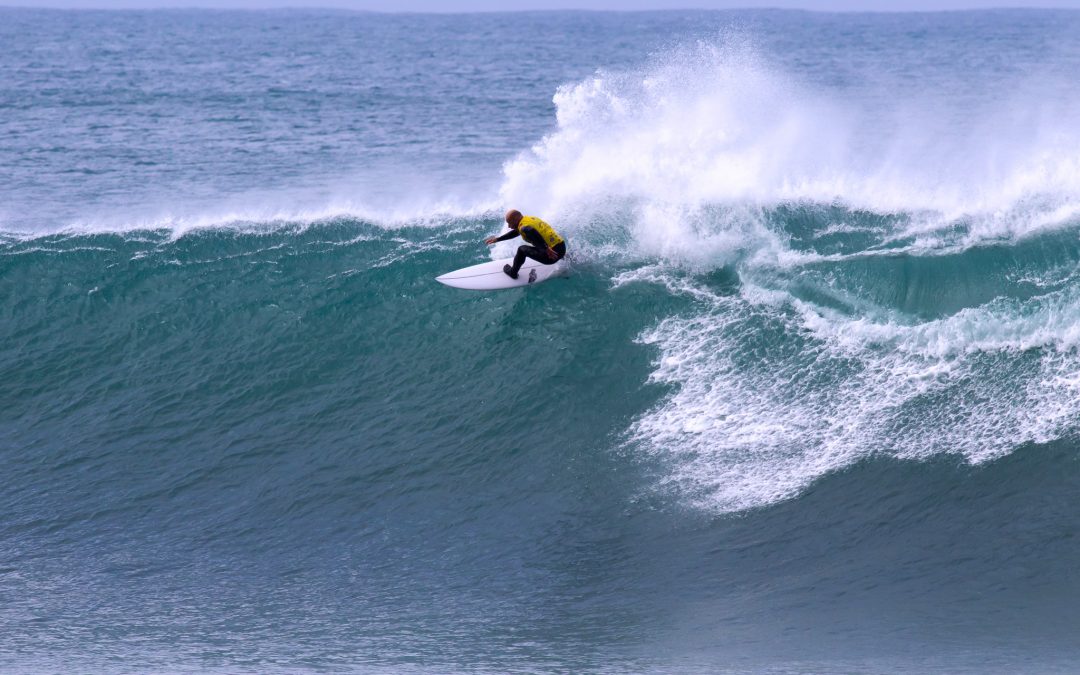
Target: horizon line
(582, 10)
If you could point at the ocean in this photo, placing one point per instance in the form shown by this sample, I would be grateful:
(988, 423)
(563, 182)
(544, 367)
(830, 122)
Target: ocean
(807, 401)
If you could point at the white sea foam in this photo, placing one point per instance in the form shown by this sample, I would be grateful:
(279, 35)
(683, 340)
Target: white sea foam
(770, 393)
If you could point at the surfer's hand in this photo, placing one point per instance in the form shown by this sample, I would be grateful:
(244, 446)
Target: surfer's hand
(491, 240)
(552, 254)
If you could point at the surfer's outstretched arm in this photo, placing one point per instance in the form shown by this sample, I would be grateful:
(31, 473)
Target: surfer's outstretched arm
(509, 235)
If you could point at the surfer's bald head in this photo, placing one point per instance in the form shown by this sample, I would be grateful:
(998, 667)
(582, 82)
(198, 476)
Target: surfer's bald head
(513, 218)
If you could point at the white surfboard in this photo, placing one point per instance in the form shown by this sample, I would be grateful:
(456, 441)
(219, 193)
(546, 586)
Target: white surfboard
(489, 276)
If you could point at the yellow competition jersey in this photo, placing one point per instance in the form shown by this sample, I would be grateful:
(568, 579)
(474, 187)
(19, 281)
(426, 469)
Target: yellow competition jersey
(551, 237)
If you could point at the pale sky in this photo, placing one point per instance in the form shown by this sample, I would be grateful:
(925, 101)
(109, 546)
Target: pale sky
(505, 5)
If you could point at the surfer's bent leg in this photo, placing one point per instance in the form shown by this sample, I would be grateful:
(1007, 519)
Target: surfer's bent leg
(526, 251)
(538, 254)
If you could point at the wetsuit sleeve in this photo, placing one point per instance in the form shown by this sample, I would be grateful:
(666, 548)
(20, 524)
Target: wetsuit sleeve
(509, 235)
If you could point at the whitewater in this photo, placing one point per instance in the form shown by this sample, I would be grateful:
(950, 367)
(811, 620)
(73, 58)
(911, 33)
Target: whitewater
(808, 400)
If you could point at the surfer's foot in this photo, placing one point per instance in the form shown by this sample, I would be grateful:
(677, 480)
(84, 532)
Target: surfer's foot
(510, 271)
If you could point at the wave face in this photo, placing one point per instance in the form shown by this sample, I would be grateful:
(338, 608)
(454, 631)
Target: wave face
(808, 400)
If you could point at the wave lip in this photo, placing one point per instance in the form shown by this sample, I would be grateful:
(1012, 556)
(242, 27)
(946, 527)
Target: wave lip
(255, 219)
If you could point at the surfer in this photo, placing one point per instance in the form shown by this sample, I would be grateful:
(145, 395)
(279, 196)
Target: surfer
(544, 244)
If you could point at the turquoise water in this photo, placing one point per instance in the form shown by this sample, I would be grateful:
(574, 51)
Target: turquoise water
(806, 402)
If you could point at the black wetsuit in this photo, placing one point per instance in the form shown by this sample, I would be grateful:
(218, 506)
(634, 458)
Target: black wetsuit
(535, 249)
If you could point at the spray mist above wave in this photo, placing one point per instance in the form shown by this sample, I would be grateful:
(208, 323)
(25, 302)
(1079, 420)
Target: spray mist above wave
(718, 125)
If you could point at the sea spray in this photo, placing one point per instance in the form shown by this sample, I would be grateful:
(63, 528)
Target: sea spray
(719, 124)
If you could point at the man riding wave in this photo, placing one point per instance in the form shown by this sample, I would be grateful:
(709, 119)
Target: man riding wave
(544, 244)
